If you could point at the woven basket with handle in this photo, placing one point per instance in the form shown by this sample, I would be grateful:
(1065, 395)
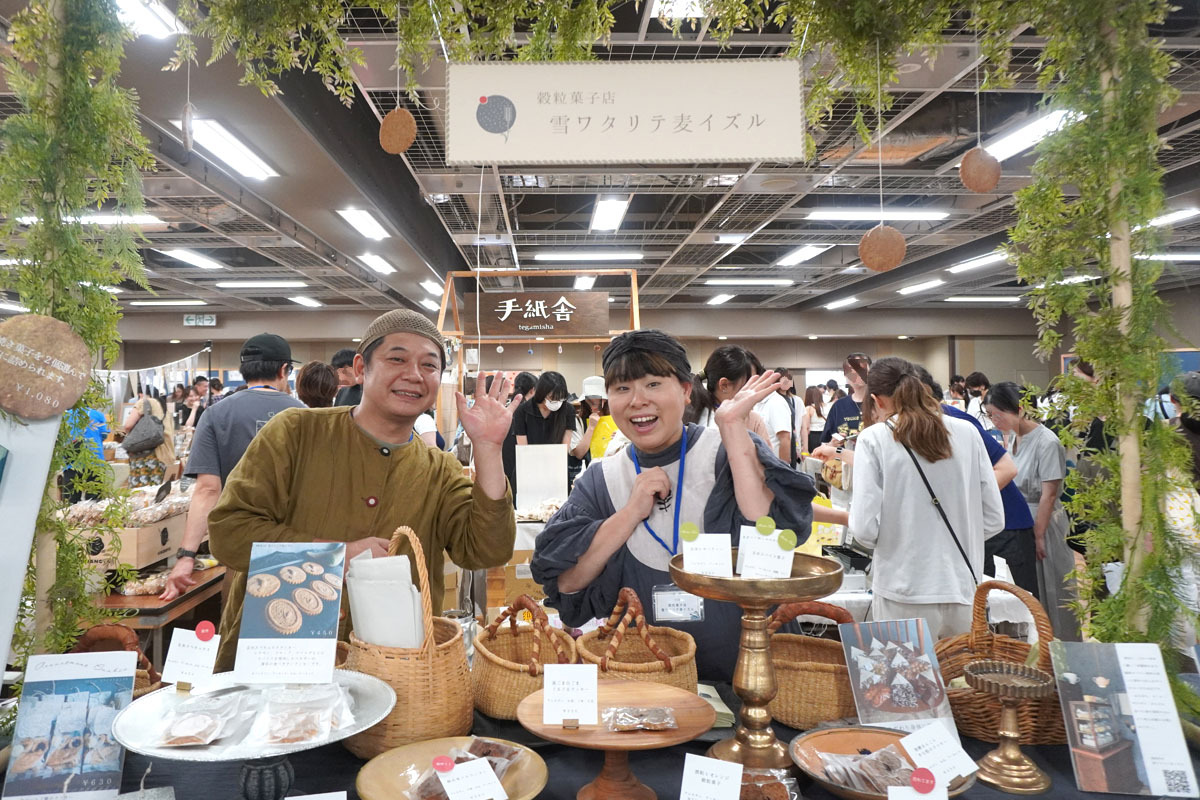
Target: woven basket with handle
(508, 660)
(432, 682)
(657, 655)
(976, 713)
(814, 684)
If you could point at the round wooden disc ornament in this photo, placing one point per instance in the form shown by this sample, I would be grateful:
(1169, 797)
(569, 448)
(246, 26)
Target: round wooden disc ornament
(881, 248)
(979, 170)
(44, 366)
(398, 131)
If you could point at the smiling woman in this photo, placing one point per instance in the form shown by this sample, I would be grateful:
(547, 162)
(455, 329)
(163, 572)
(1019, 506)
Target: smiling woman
(620, 525)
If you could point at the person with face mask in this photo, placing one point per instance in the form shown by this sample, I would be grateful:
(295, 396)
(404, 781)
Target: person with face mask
(546, 417)
(977, 386)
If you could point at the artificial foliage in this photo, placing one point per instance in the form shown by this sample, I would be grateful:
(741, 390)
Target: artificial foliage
(75, 146)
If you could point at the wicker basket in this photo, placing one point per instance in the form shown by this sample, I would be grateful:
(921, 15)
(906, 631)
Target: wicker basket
(110, 636)
(508, 661)
(977, 714)
(814, 684)
(432, 682)
(657, 655)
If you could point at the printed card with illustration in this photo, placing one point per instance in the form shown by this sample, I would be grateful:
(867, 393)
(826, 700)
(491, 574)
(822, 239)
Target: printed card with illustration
(291, 612)
(62, 741)
(894, 674)
(1122, 724)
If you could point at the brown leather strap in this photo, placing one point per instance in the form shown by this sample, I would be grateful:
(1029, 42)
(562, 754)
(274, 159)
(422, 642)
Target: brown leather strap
(541, 627)
(786, 613)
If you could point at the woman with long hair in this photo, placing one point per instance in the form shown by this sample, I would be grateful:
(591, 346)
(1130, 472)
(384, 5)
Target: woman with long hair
(149, 467)
(925, 499)
(1041, 468)
(727, 370)
(813, 423)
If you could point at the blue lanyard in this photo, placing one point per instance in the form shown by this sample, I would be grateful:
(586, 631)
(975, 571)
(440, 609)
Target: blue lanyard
(637, 468)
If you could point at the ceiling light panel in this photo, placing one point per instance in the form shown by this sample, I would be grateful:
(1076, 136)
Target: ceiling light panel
(748, 282)
(802, 254)
(377, 263)
(921, 287)
(584, 282)
(966, 298)
(149, 18)
(429, 304)
(875, 214)
(364, 222)
(720, 299)
(836, 304)
(167, 303)
(434, 289)
(616, 255)
(260, 284)
(608, 212)
(979, 261)
(228, 149)
(1028, 135)
(308, 302)
(193, 258)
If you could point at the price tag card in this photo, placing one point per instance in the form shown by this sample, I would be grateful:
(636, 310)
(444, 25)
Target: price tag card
(934, 748)
(709, 554)
(709, 779)
(161, 793)
(570, 693)
(472, 780)
(766, 556)
(192, 655)
(324, 796)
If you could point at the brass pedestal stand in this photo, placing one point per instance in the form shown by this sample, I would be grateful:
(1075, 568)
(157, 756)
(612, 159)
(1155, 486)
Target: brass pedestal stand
(754, 744)
(1007, 768)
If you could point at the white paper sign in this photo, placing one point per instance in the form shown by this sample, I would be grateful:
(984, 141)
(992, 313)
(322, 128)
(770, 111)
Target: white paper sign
(570, 693)
(472, 780)
(909, 793)
(1156, 721)
(935, 749)
(188, 658)
(325, 796)
(762, 557)
(709, 554)
(709, 778)
(600, 112)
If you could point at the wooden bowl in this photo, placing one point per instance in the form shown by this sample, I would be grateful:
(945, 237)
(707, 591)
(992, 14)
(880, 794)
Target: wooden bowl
(806, 748)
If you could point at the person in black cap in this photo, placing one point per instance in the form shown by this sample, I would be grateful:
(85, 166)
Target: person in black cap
(222, 436)
(349, 386)
(620, 525)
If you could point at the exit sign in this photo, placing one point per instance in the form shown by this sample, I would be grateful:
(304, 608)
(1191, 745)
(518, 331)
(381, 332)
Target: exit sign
(199, 320)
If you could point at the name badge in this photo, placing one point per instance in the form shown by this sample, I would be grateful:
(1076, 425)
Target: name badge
(672, 604)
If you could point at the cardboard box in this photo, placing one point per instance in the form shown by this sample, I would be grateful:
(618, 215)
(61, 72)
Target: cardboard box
(141, 547)
(518, 580)
(520, 557)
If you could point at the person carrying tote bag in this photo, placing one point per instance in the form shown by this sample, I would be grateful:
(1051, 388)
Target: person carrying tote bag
(925, 499)
(150, 433)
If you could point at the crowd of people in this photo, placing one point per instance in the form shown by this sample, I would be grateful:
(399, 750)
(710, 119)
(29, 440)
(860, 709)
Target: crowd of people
(944, 481)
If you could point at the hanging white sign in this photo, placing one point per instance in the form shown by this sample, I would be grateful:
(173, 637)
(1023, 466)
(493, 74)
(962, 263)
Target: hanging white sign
(613, 112)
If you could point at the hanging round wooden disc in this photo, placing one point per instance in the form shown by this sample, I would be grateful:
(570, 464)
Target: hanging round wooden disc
(881, 248)
(979, 170)
(44, 366)
(398, 131)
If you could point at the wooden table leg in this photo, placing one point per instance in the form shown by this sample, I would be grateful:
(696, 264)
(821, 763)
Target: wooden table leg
(616, 781)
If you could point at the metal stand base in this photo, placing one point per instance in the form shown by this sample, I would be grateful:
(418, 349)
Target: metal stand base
(267, 778)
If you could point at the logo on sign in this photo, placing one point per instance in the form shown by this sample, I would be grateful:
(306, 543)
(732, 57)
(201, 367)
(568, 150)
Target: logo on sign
(496, 114)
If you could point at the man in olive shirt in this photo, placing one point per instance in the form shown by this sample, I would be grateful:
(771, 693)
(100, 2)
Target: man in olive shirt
(354, 474)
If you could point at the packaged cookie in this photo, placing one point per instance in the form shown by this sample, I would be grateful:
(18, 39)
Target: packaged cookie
(769, 784)
(66, 746)
(301, 714)
(201, 720)
(629, 718)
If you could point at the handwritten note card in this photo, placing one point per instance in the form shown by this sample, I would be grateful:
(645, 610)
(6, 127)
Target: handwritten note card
(472, 780)
(570, 693)
(190, 658)
(709, 778)
(709, 554)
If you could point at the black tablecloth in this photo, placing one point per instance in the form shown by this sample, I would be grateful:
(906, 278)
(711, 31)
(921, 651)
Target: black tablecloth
(332, 768)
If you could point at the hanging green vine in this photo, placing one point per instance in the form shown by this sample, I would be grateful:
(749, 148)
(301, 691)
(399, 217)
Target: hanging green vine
(75, 146)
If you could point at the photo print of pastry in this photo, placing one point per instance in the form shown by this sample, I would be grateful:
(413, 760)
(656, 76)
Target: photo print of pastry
(63, 733)
(894, 674)
(291, 611)
(1122, 724)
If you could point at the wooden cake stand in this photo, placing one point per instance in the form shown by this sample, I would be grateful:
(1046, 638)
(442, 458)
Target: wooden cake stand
(693, 716)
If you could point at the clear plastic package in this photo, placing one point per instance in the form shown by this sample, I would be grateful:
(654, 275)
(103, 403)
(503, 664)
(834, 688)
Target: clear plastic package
(66, 747)
(769, 784)
(301, 714)
(201, 720)
(101, 753)
(873, 772)
(501, 755)
(631, 718)
(31, 739)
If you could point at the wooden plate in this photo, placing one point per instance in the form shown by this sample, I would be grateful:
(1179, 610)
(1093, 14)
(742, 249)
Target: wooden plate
(806, 748)
(389, 775)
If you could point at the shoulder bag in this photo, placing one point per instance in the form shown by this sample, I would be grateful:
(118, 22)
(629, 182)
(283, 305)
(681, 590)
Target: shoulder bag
(146, 435)
(938, 505)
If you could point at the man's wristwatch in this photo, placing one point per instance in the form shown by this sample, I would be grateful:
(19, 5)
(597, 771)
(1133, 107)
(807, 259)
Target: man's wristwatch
(181, 553)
